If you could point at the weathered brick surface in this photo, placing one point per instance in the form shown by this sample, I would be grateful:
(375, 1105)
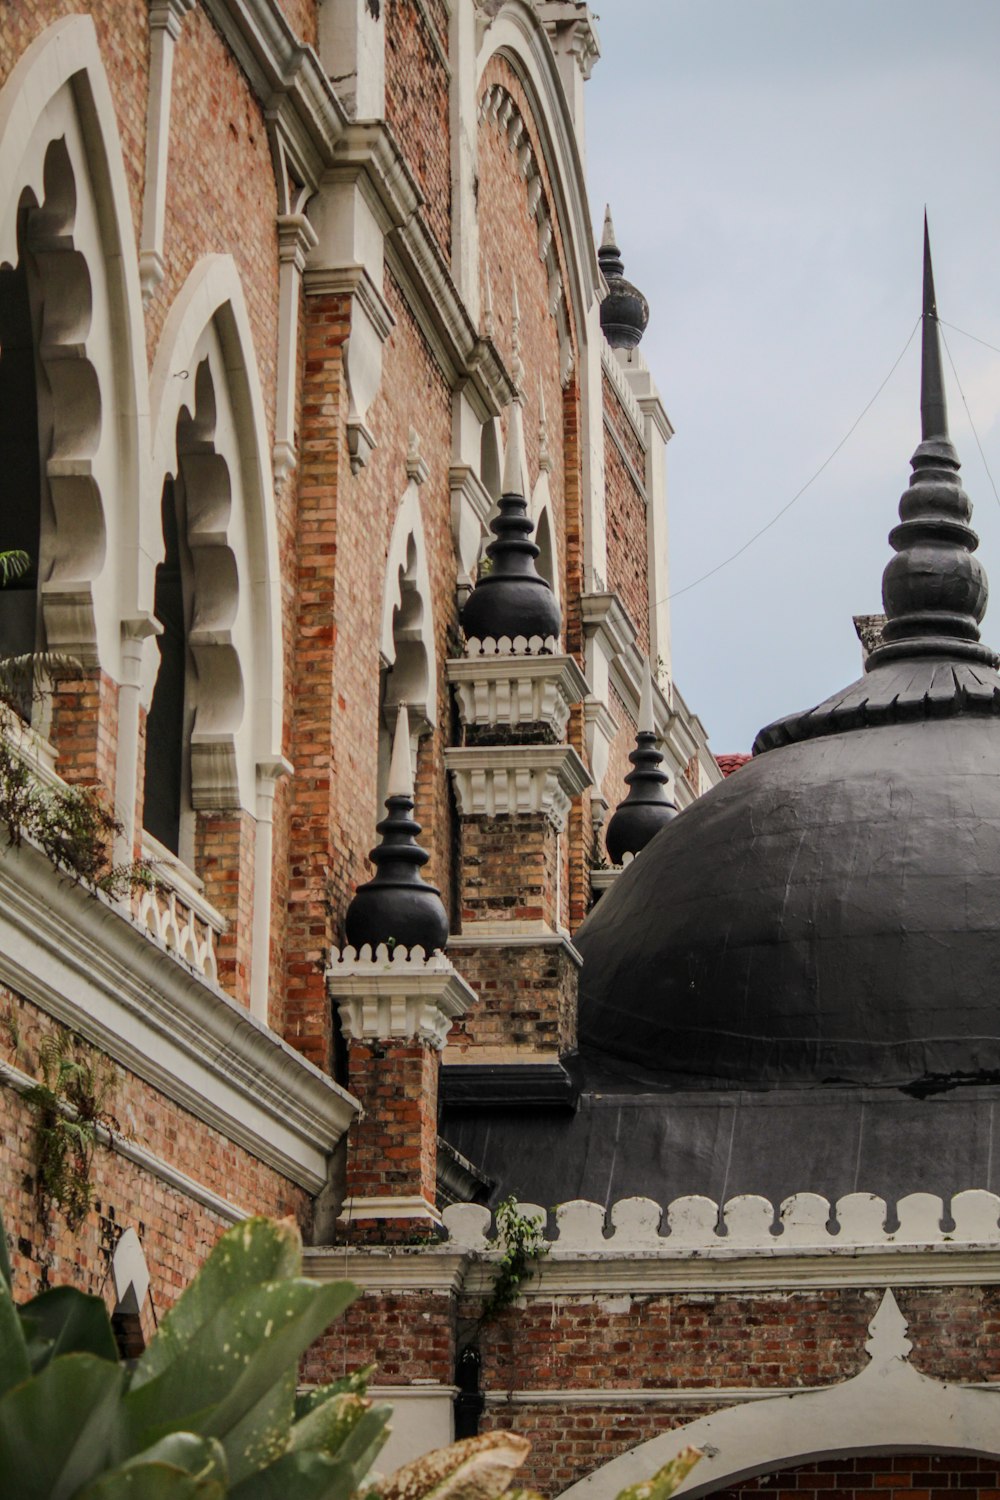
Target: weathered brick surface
(909, 1476)
(224, 858)
(526, 1000)
(407, 1334)
(85, 728)
(417, 104)
(393, 1151)
(176, 1231)
(509, 869)
(627, 566)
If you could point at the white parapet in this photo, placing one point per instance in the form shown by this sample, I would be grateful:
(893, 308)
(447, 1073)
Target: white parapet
(510, 688)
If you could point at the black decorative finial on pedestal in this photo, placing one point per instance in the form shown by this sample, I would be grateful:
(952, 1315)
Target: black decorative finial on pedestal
(624, 311)
(513, 598)
(398, 906)
(934, 590)
(647, 807)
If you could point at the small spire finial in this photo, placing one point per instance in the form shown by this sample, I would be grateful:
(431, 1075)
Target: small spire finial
(608, 239)
(934, 590)
(933, 408)
(400, 767)
(641, 815)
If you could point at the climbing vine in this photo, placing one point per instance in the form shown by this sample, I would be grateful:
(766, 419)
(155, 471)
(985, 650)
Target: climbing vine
(71, 1103)
(522, 1241)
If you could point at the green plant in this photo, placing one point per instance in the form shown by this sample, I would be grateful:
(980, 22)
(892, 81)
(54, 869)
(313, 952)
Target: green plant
(70, 1105)
(522, 1240)
(210, 1408)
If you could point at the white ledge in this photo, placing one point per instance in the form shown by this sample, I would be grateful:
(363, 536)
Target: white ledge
(516, 689)
(493, 781)
(71, 952)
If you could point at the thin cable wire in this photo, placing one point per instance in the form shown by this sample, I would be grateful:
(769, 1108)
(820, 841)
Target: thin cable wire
(799, 493)
(955, 329)
(968, 413)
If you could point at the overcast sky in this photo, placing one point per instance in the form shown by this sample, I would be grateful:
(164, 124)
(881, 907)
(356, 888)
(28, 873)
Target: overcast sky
(767, 163)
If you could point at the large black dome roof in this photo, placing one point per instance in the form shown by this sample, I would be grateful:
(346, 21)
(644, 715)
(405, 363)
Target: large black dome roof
(832, 912)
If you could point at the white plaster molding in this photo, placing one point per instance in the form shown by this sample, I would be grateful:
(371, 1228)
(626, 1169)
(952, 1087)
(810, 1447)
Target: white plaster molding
(403, 995)
(296, 237)
(602, 880)
(508, 690)
(494, 781)
(410, 1206)
(423, 1419)
(406, 638)
(371, 322)
(471, 505)
(888, 1407)
(77, 957)
(165, 20)
(269, 773)
(208, 320)
(389, 1268)
(129, 1272)
(58, 95)
(600, 729)
(513, 934)
(351, 48)
(532, 645)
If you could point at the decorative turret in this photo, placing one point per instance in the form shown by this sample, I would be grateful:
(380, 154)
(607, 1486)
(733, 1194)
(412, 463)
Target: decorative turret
(512, 599)
(647, 807)
(398, 906)
(934, 590)
(624, 311)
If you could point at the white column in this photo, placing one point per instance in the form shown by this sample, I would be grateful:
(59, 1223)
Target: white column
(268, 774)
(296, 237)
(135, 634)
(165, 17)
(352, 50)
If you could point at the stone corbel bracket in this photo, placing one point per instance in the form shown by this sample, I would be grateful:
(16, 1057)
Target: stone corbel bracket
(401, 994)
(508, 690)
(371, 323)
(470, 510)
(493, 781)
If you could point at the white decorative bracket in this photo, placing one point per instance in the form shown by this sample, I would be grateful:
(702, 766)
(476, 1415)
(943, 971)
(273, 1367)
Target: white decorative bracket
(296, 237)
(165, 18)
(508, 690)
(396, 995)
(371, 323)
(493, 781)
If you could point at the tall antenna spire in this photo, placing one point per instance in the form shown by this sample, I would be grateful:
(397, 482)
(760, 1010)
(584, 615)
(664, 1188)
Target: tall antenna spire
(934, 590)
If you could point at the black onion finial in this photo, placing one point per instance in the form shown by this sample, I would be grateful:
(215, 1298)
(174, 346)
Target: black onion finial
(934, 590)
(397, 906)
(647, 807)
(624, 311)
(513, 598)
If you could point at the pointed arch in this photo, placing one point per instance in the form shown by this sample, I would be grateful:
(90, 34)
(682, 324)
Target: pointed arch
(406, 639)
(63, 185)
(210, 436)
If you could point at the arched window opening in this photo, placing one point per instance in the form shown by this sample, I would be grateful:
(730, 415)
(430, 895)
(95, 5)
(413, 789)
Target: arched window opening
(546, 562)
(20, 466)
(166, 722)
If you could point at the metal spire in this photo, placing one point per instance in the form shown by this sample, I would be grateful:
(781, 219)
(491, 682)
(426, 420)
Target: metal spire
(400, 767)
(934, 590)
(933, 408)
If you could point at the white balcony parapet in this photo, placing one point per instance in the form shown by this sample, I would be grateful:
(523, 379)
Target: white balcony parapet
(511, 688)
(396, 993)
(493, 781)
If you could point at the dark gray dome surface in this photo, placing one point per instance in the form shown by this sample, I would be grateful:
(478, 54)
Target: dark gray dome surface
(829, 915)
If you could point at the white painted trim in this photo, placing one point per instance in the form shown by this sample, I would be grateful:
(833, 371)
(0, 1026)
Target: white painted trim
(165, 20)
(384, 1206)
(77, 957)
(420, 696)
(389, 1268)
(889, 1407)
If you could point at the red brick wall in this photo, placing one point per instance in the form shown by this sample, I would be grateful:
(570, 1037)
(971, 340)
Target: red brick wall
(393, 1151)
(417, 104)
(527, 999)
(176, 1231)
(224, 858)
(626, 512)
(408, 1335)
(905, 1476)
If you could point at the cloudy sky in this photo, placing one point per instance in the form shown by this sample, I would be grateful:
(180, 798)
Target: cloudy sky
(767, 163)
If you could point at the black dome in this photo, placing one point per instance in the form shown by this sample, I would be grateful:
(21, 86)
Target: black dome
(831, 914)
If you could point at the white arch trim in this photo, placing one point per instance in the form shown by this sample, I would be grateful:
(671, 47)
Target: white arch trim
(519, 35)
(888, 1408)
(409, 525)
(67, 52)
(213, 293)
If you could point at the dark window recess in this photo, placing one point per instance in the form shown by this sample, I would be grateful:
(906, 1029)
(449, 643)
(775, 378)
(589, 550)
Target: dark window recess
(20, 476)
(469, 1400)
(126, 1325)
(165, 723)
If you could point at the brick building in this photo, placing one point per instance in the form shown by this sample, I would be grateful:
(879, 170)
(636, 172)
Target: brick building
(300, 310)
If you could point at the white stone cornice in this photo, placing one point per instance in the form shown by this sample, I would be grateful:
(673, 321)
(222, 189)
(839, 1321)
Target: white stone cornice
(494, 781)
(513, 934)
(508, 690)
(76, 956)
(296, 237)
(383, 1206)
(390, 1269)
(405, 995)
(604, 613)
